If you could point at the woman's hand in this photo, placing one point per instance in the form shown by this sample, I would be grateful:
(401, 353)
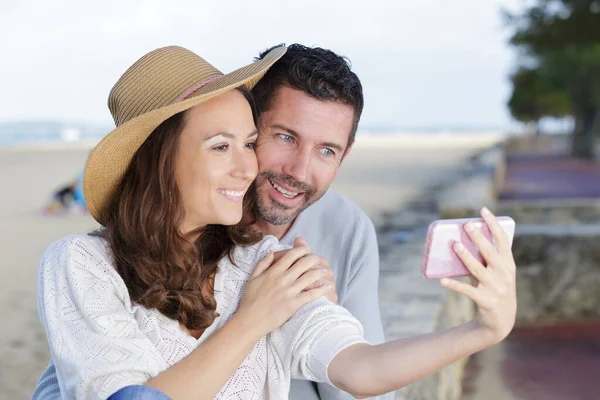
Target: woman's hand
(328, 279)
(277, 289)
(495, 292)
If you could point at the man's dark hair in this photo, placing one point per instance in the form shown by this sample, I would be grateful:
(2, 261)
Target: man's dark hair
(318, 72)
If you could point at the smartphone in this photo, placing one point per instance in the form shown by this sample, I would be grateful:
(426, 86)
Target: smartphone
(440, 260)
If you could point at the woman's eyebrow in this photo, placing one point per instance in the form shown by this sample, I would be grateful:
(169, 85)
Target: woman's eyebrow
(230, 135)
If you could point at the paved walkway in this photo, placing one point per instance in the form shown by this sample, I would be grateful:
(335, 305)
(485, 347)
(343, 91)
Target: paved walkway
(560, 362)
(550, 175)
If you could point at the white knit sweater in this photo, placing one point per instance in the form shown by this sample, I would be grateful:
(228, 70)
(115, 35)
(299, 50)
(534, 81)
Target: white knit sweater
(100, 341)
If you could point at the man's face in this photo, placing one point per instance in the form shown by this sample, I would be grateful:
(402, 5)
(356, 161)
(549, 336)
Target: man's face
(300, 147)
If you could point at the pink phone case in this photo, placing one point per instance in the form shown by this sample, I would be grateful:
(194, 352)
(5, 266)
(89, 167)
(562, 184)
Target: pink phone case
(440, 260)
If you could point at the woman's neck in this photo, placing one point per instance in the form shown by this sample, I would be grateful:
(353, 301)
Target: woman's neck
(190, 230)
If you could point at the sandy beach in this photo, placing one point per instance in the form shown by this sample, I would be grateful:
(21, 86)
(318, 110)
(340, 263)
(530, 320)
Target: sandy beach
(381, 175)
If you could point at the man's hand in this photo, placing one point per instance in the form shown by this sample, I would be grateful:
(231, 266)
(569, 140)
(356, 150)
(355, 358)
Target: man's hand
(329, 278)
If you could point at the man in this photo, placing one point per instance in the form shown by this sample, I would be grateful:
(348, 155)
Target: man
(309, 105)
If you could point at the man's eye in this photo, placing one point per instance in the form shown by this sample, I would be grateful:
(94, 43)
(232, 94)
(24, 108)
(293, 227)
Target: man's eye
(286, 138)
(327, 152)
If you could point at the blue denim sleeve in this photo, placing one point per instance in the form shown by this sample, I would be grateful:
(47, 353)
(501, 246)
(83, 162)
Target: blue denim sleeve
(139, 392)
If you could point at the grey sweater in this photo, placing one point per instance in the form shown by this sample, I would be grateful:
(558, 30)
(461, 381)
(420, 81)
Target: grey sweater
(337, 229)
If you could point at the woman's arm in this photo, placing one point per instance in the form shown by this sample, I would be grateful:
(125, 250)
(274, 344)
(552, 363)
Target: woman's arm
(98, 347)
(272, 295)
(365, 370)
(203, 373)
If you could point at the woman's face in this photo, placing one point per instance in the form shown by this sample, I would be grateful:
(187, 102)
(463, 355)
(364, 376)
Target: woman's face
(215, 161)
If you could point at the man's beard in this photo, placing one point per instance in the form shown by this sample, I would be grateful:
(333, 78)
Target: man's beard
(277, 213)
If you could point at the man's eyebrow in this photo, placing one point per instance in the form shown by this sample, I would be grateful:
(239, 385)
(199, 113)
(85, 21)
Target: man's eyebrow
(285, 128)
(230, 135)
(292, 132)
(334, 146)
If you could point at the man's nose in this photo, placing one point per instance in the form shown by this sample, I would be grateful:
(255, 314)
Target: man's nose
(297, 166)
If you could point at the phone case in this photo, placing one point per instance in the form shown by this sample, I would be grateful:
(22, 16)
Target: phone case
(440, 260)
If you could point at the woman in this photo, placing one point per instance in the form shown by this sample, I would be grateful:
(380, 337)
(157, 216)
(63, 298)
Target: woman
(143, 301)
(164, 185)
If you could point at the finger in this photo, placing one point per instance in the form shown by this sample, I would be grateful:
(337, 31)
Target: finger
(332, 295)
(299, 242)
(473, 265)
(327, 279)
(485, 247)
(263, 265)
(323, 263)
(288, 259)
(499, 234)
(307, 280)
(279, 254)
(310, 295)
(304, 264)
(462, 288)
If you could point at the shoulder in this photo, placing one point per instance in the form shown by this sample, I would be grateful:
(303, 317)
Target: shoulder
(80, 247)
(78, 256)
(335, 206)
(334, 211)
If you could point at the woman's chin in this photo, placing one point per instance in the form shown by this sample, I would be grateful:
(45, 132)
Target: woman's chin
(231, 219)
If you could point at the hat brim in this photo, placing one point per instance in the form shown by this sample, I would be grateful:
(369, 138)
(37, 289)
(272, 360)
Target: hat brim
(108, 162)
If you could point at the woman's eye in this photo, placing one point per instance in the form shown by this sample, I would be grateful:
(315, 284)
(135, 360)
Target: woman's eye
(251, 145)
(222, 147)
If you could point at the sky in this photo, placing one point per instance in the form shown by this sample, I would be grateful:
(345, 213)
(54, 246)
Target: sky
(424, 64)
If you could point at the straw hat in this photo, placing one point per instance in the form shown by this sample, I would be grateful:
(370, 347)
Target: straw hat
(159, 85)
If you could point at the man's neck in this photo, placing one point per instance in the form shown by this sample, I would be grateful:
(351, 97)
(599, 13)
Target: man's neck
(278, 231)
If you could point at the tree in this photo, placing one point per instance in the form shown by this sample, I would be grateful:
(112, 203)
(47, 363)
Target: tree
(563, 39)
(534, 97)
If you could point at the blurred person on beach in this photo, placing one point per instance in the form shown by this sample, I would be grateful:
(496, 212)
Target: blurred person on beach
(67, 199)
(180, 295)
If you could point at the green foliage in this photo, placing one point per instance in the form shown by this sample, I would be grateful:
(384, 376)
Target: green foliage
(562, 39)
(534, 97)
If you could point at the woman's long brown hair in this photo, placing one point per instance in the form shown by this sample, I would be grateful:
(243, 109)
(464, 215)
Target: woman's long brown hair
(161, 267)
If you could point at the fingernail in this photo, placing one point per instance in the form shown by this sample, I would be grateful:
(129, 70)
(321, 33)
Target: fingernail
(485, 211)
(470, 227)
(459, 246)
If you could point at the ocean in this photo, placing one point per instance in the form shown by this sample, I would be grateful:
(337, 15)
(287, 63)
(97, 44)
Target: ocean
(24, 133)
